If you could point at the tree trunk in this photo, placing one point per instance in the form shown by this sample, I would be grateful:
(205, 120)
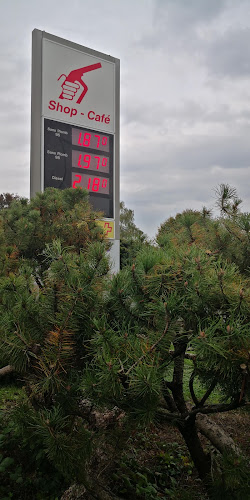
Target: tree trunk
(185, 424)
(201, 460)
(218, 437)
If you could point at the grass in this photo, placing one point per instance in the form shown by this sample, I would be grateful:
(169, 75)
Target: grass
(10, 395)
(199, 388)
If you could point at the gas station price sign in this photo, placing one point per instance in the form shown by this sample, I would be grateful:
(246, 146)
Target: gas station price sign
(78, 157)
(75, 126)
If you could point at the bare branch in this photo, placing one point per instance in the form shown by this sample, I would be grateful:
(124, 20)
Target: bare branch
(218, 437)
(216, 408)
(187, 355)
(168, 398)
(162, 412)
(191, 388)
(207, 394)
(6, 370)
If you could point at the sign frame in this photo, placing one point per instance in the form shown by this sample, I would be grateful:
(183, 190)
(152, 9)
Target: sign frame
(39, 39)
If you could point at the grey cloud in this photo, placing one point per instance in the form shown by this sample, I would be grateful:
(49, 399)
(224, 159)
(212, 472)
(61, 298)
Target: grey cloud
(197, 153)
(15, 120)
(188, 112)
(183, 13)
(173, 177)
(15, 172)
(192, 190)
(152, 114)
(229, 54)
(229, 152)
(158, 113)
(175, 23)
(17, 139)
(202, 31)
(12, 105)
(14, 78)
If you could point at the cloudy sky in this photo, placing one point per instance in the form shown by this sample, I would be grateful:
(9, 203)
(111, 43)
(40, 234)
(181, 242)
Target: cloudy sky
(185, 94)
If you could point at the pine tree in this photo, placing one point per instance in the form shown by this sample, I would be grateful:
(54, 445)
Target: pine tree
(227, 235)
(7, 198)
(54, 270)
(186, 300)
(94, 351)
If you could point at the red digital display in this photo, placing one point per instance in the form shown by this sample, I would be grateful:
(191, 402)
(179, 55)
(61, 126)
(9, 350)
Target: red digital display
(90, 161)
(93, 140)
(91, 183)
(82, 158)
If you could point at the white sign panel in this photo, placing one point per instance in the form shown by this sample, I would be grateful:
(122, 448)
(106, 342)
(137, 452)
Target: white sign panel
(78, 88)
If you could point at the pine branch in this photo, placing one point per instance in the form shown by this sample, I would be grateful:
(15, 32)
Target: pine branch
(152, 348)
(64, 326)
(220, 274)
(55, 289)
(233, 234)
(127, 309)
(22, 339)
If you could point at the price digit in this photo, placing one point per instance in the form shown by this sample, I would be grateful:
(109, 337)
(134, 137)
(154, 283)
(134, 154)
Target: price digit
(79, 177)
(96, 184)
(86, 139)
(98, 141)
(79, 160)
(87, 158)
(98, 162)
(104, 162)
